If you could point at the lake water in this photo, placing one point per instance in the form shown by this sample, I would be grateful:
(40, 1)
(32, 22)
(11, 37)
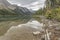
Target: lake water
(22, 29)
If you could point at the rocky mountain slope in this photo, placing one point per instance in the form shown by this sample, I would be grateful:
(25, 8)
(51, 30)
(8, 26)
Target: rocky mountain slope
(4, 4)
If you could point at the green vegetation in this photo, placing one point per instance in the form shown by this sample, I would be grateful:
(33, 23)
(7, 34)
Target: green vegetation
(51, 11)
(6, 12)
(53, 14)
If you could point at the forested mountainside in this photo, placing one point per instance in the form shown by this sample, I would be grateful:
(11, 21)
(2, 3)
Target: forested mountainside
(16, 11)
(6, 8)
(22, 11)
(9, 11)
(51, 11)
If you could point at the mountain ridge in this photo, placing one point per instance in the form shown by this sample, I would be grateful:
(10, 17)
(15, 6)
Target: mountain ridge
(4, 4)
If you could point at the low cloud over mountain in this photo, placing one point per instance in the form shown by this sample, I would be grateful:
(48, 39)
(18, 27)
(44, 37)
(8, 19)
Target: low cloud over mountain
(31, 4)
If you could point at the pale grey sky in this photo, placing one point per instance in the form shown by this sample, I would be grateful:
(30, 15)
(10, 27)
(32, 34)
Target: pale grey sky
(30, 4)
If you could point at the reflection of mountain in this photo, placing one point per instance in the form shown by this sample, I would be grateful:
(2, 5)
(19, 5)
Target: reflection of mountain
(23, 31)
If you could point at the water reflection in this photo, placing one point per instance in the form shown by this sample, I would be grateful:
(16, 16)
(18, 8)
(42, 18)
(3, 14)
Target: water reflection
(28, 30)
(15, 32)
(32, 23)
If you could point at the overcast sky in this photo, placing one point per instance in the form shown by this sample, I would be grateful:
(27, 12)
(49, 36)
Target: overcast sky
(31, 4)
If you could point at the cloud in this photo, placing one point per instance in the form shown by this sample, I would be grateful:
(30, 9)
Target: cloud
(36, 5)
(30, 4)
(23, 2)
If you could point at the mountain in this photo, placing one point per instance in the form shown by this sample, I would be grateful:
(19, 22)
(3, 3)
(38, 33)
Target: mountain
(4, 4)
(22, 10)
